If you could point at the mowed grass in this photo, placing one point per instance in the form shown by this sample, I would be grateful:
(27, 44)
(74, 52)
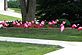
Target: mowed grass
(8, 48)
(8, 18)
(50, 34)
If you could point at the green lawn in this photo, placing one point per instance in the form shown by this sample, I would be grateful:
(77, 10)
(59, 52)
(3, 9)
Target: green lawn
(16, 10)
(8, 48)
(8, 18)
(51, 34)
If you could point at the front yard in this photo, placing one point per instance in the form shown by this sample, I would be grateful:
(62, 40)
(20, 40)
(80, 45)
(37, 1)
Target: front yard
(8, 48)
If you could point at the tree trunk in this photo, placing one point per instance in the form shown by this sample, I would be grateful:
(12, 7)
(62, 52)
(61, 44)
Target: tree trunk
(5, 5)
(28, 8)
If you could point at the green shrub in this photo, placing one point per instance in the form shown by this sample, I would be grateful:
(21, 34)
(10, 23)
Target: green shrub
(68, 23)
(13, 4)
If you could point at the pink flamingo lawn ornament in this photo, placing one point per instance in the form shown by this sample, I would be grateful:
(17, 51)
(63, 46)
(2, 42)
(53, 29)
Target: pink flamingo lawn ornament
(33, 24)
(5, 24)
(29, 24)
(21, 24)
(25, 25)
(74, 26)
(80, 28)
(18, 24)
(62, 27)
(14, 23)
(54, 22)
(42, 24)
(50, 24)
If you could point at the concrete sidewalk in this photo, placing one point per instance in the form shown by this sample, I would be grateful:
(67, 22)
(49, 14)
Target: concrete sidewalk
(73, 50)
(70, 48)
(41, 41)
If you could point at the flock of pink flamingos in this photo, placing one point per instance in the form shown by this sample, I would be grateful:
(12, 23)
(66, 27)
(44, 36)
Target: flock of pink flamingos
(41, 24)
